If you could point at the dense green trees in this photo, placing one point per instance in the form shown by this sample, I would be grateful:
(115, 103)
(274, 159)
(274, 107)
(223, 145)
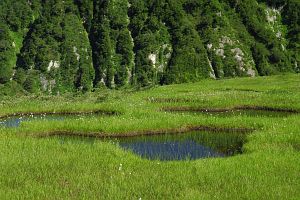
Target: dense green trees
(189, 58)
(122, 42)
(75, 45)
(86, 9)
(291, 17)
(18, 14)
(256, 19)
(57, 46)
(102, 49)
(6, 54)
(152, 43)
(76, 62)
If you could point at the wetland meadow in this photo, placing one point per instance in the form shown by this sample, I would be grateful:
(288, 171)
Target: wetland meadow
(225, 139)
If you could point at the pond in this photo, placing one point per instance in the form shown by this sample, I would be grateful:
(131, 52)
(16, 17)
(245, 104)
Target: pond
(245, 113)
(185, 146)
(16, 121)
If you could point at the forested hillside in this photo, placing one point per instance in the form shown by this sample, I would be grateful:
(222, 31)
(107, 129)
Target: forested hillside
(59, 46)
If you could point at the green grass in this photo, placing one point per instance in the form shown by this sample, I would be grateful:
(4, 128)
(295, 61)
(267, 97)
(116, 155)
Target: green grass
(18, 40)
(35, 168)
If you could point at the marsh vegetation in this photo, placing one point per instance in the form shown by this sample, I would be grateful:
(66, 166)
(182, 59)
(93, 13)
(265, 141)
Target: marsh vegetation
(218, 156)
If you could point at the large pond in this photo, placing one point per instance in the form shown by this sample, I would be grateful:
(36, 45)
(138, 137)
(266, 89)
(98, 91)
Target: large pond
(16, 121)
(185, 146)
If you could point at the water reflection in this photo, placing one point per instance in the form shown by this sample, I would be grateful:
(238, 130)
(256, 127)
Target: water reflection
(193, 145)
(16, 121)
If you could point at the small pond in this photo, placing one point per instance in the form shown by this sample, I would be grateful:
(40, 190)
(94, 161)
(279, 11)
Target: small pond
(16, 121)
(246, 113)
(186, 146)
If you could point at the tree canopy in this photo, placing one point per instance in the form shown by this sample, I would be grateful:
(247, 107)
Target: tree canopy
(76, 45)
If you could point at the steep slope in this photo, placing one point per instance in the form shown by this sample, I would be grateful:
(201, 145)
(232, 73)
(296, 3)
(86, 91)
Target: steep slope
(56, 50)
(64, 46)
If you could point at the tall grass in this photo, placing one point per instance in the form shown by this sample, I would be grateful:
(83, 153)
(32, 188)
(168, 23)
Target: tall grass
(45, 168)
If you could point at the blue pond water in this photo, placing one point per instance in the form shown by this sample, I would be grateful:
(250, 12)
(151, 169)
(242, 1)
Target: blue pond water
(16, 121)
(171, 150)
(187, 146)
(193, 145)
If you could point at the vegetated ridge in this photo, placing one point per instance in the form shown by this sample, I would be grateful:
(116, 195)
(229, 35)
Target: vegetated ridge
(58, 46)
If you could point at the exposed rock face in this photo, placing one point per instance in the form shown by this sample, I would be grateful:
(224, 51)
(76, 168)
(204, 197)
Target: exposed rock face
(251, 72)
(230, 49)
(152, 58)
(47, 85)
(161, 57)
(53, 65)
(220, 52)
(76, 53)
